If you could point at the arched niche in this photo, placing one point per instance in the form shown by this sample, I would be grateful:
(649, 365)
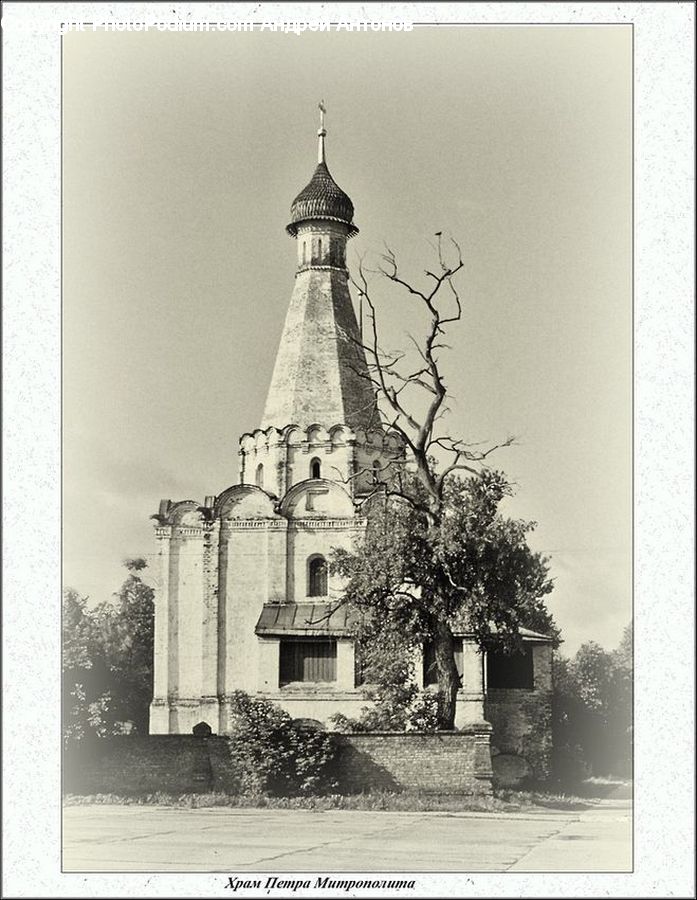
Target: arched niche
(247, 443)
(293, 435)
(341, 434)
(317, 498)
(316, 434)
(186, 514)
(245, 501)
(261, 440)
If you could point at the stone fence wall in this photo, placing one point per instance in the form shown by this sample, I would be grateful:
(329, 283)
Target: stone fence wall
(448, 762)
(129, 764)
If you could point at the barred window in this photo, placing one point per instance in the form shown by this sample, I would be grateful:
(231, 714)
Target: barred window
(311, 660)
(317, 577)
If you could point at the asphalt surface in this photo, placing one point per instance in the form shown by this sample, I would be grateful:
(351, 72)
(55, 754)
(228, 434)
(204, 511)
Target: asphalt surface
(159, 839)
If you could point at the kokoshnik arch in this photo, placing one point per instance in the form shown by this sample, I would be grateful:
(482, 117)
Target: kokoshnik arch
(243, 592)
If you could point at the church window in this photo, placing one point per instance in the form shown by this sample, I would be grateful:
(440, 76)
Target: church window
(319, 250)
(304, 252)
(430, 668)
(317, 577)
(510, 670)
(376, 471)
(309, 660)
(260, 476)
(315, 468)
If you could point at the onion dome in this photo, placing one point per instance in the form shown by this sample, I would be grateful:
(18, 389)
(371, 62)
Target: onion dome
(322, 198)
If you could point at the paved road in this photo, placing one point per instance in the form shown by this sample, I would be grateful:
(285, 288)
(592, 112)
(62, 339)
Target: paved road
(160, 839)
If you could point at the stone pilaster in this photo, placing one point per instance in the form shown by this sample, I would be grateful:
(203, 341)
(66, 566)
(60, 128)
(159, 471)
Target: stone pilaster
(209, 644)
(159, 708)
(345, 665)
(470, 699)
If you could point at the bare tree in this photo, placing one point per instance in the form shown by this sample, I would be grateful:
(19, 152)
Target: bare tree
(412, 396)
(419, 424)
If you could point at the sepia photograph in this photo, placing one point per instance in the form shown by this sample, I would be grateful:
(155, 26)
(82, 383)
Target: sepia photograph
(348, 445)
(347, 449)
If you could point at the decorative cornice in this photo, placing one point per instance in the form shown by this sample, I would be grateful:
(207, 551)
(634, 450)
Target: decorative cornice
(189, 531)
(338, 435)
(305, 224)
(279, 524)
(313, 268)
(337, 524)
(302, 693)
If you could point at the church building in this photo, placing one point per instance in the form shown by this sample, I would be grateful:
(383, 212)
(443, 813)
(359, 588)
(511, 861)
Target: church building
(243, 589)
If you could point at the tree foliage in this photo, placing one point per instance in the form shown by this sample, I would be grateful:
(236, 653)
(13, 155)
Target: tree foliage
(107, 660)
(387, 670)
(593, 709)
(125, 628)
(86, 697)
(417, 581)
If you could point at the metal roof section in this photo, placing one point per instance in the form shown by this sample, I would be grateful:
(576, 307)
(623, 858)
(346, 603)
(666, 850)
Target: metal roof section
(306, 620)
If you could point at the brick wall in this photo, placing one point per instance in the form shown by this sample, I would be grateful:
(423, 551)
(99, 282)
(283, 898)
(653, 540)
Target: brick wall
(172, 763)
(456, 762)
(449, 762)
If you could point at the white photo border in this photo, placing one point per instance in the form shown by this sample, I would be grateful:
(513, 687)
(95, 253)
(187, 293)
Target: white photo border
(663, 445)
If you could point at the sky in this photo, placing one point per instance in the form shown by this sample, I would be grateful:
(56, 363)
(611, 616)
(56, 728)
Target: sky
(181, 155)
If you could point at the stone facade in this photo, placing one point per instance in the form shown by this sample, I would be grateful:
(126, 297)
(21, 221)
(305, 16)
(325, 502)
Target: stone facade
(266, 540)
(234, 570)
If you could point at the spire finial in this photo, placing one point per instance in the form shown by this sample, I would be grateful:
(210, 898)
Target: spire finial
(321, 133)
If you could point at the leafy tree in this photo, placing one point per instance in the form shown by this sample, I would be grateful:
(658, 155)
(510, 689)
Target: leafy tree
(624, 654)
(86, 697)
(417, 578)
(388, 673)
(125, 628)
(77, 632)
(620, 704)
(569, 762)
(592, 710)
(107, 660)
(84, 718)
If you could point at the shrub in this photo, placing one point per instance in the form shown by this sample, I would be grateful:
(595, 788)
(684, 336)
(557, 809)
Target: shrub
(274, 755)
(416, 712)
(422, 715)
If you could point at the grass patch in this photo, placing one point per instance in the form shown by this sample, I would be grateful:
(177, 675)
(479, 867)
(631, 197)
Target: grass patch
(582, 795)
(374, 801)
(503, 800)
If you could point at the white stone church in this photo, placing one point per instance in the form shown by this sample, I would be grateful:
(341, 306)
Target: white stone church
(243, 586)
